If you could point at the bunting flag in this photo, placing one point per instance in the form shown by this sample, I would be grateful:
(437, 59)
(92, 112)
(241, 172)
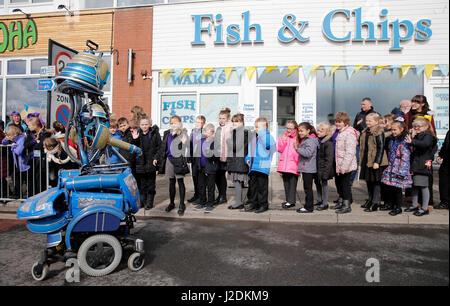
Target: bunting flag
(379, 68)
(250, 71)
(178, 72)
(327, 70)
(260, 71)
(429, 69)
(395, 68)
(240, 71)
(334, 68)
(419, 69)
(219, 71)
(270, 68)
(228, 71)
(315, 67)
(292, 68)
(199, 72)
(186, 71)
(281, 68)
(444, 69)
(165, 73)
(207, 71)
(350, 69)
(357, 68)
(404, 70)
(307, 70)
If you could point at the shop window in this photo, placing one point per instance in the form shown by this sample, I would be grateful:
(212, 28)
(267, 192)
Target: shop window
(211, 104)
(107, 87)
(37, 64)
(137, 2)
(17, 67)
(386, 89)
(277, 77)
(26, 1)
(90, 4)
(184, 106)
(1, 2)
(1, 98)
(441, 109)
(22, 96)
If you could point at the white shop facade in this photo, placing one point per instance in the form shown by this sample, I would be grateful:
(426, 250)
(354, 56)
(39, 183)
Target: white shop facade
(296, 59)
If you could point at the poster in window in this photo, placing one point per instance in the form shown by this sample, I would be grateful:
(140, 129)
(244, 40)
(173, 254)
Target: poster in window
(184, 106)
(441, 105)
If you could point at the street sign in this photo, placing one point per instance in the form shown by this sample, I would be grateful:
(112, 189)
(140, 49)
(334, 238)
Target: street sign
(45, 84)
(63, 114)
(48, 71)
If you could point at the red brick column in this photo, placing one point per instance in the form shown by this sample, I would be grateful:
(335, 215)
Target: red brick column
(133, 28)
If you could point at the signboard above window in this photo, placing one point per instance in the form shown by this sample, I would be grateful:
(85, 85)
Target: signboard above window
(199, 79)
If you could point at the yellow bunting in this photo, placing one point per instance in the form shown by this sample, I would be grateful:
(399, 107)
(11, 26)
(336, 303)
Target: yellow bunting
(315, 68)
(379, 68)
(270, 68)
(292, 68)
(334, 68)
(429, 69)
(357, 68)
(186, 71)
(228, 71)
(250, 71)
(404, 70)
(165, 73)
(207, 71)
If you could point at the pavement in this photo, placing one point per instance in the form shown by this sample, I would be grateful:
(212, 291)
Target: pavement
(276, 213)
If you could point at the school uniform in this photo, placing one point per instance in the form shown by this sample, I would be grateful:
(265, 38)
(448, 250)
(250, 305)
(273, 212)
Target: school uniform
(206, 167)
(325, 169)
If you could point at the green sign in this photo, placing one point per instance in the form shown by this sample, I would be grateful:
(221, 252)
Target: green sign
(23, 34)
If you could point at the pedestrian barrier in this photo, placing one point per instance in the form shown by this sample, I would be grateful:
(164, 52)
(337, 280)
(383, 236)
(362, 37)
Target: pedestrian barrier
(16, 185)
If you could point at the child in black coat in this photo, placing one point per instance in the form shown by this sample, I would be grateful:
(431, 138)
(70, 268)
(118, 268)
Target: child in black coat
(207, 165)
(423, 144)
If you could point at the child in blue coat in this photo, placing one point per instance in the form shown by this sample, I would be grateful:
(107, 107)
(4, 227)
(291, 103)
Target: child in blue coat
(262, 146)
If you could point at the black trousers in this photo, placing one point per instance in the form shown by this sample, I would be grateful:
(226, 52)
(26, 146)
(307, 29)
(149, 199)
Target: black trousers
(374, 191)
(290, 181)
(195, 174)
(444, 183)
(258, 190)
(147, 187)
(343, 186)
(221, 180)
(393, 195)
(206, 187)
(308, 179)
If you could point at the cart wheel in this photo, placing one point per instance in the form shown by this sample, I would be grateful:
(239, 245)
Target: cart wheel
(99, 255)
(39, 273)
(136, 261)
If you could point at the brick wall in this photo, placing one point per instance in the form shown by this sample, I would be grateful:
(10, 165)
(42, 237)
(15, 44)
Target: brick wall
(132, 29)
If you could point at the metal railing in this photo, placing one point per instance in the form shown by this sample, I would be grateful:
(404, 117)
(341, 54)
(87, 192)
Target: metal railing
(16, 185)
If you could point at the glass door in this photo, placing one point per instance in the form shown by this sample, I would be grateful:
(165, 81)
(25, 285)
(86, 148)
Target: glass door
(267, 107)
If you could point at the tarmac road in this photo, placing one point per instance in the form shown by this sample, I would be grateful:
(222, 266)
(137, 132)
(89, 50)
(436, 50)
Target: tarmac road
(237, 253)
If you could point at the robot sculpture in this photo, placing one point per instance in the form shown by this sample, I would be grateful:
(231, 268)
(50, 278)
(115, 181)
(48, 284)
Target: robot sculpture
(89, 215)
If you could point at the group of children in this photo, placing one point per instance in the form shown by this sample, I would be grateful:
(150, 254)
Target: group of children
(391, 159)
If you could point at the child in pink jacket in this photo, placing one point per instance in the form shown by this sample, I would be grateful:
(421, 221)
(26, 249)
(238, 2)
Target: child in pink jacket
(288, 163)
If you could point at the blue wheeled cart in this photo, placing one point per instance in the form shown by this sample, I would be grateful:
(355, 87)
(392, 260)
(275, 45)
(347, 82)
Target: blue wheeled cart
(90, 214)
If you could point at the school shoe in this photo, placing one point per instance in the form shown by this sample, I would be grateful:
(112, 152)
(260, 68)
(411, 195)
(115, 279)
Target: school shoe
(412, 208)
(236, 206)
(366, 204)
(262, 209)
(395, 211)
(373, 207)
(287, 205)
(181, 209)
(346, 207)
(199, 206)
(323, 206)
(339, 204)
(421, 213)
(318, 203)
(442, 205)
(170, 207)
(303, 210)
(209, 209)
(249, 207)
(221, 201)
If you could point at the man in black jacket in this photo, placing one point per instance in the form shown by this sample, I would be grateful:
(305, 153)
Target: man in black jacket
(149, 140)
(444, 172)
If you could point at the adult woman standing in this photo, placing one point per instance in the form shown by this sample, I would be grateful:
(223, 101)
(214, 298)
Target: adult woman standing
(419, 107)
(223, 133)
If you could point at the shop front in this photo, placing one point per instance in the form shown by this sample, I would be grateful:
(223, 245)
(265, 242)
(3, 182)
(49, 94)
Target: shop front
(300, 60)
(24, 48)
